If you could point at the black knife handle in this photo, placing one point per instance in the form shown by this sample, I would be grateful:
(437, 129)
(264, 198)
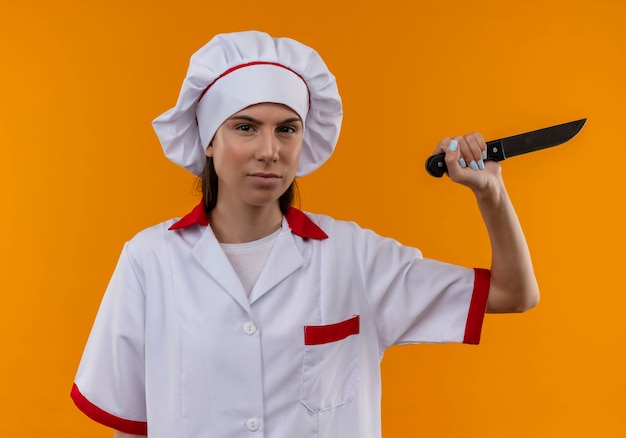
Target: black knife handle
(436, 165)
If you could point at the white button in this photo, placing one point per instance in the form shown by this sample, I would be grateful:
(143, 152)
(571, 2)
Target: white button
(249, 328)
(253, 424)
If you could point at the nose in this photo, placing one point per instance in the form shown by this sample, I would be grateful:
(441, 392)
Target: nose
(267, 148)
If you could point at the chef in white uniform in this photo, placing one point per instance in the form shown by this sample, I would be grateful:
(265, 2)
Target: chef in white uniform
(250, 318)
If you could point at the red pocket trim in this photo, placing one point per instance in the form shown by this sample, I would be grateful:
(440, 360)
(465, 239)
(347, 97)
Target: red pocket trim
(324, 334)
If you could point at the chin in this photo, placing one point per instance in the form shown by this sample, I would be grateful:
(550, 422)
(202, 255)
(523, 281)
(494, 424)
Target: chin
(262, 202)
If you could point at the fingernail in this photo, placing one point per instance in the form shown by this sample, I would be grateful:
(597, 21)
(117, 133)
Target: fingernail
(453, 145)
(462, 162)
(485, 154)
(473, 165)
(481, 164)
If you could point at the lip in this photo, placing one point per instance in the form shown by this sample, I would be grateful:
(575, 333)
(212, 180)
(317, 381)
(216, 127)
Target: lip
(264, 175)
(263, 179)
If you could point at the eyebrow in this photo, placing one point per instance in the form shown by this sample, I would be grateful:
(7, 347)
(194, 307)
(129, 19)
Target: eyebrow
(259, 122)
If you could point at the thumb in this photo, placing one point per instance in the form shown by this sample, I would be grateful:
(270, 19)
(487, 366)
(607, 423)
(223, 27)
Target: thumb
(443, 146)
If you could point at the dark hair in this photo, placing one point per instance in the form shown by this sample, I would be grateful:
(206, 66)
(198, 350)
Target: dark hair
(208, 182)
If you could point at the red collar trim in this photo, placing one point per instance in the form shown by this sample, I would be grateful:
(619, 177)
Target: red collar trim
(195, 216)
(299, 222)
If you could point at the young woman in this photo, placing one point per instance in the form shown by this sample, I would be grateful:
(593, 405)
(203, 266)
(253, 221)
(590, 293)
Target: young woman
(249, 317)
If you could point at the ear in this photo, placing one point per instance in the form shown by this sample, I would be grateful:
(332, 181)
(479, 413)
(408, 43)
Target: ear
(209, 150)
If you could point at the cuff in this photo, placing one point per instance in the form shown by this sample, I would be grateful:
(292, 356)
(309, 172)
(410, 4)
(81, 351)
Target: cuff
(106, 419)
(477, 307)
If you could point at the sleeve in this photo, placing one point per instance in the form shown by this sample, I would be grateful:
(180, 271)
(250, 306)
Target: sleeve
(418, 300)
(110, 382)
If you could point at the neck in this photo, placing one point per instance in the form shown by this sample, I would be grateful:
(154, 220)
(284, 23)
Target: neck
(251, 224)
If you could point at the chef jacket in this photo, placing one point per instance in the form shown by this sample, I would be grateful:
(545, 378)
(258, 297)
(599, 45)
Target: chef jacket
(178, 349)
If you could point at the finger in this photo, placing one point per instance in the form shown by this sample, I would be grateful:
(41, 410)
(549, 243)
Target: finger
(453, 155)
(443, 145)
(468, 157)
(473, 150)
(475, 139)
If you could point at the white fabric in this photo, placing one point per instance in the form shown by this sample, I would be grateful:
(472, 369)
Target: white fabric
(247, 259)
(254, 83)
(177, 128)
(169, 345)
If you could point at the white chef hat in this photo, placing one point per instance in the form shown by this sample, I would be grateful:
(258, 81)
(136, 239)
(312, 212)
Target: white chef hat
(236, 70)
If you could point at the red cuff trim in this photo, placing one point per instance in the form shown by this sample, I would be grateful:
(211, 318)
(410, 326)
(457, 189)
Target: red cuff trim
(324, 334)
(478, 304)
(103, 417)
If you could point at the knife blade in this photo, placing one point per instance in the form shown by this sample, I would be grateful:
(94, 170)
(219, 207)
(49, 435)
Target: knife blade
(503, 148)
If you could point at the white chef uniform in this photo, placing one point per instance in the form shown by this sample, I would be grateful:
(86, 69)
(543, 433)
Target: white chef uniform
(179, 350)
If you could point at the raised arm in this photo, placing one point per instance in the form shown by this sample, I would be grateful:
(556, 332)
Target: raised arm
(513, 284)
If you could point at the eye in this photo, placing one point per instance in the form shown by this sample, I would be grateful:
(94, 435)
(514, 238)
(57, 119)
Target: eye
(287, 130)
(244, 127)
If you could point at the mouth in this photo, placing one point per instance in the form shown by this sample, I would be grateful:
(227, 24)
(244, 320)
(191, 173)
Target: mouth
(264, 175)
(263, 179)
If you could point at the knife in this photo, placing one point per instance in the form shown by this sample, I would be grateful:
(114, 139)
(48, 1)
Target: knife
(498, 150)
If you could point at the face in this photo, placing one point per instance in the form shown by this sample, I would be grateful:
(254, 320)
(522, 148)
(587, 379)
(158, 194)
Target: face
(256, 153)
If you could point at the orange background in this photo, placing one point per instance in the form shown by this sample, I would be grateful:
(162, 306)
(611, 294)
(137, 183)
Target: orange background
(81, 172)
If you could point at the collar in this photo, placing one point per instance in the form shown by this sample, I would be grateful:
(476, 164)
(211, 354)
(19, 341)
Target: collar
(299, 222)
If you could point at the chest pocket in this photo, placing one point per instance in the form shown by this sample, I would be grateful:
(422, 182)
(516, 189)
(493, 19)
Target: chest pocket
(330, 367)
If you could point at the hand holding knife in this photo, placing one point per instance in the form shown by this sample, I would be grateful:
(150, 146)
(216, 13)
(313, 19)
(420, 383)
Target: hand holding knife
(498, 150)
